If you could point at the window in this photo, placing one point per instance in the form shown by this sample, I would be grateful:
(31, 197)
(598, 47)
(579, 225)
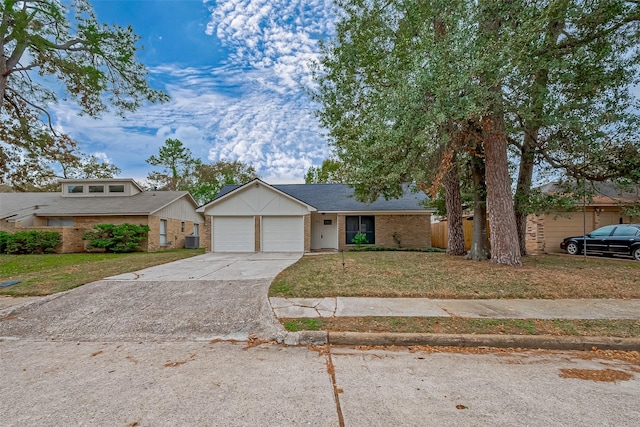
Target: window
(75, 189)
(59, 222)
(195, 230)
(625, 231)
(116, 188)
(163, 232)
(604, 231)
(327, 222)
(360, 224)
(182, 227)
(96, 189)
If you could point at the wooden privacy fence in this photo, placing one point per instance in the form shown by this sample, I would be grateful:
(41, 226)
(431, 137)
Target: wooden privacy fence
(440, 233)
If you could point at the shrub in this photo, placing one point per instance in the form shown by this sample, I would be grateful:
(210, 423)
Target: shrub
(117, 238)
(31, 242)
(4, 237)
(359, 239)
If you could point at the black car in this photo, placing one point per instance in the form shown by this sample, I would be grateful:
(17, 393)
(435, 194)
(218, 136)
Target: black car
(621, 239)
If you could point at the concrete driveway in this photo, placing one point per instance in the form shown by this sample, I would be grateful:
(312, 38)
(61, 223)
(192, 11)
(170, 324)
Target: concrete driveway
(211, 296)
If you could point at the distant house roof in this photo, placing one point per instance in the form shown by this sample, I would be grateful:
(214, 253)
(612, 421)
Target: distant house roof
(604, 193)
(340, 198)
(14, 206)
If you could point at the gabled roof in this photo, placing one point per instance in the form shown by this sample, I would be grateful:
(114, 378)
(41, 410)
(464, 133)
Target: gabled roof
(340, 198)
(228, 191)
(14, 206)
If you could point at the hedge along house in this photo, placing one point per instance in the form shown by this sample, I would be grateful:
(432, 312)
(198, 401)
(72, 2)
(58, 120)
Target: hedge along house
(605, 207)
(81, 204)
(258, 217)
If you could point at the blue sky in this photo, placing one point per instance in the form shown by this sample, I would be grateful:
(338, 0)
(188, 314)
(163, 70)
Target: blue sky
(234, 70)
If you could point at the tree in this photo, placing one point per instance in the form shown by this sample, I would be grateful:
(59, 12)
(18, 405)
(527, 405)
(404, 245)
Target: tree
(330, 172)
(548, 80)
(210, 178)
(37, 174)
(44, 42)
(178, 166)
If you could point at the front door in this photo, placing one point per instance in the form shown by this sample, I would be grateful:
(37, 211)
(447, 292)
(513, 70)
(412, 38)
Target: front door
(324, 231)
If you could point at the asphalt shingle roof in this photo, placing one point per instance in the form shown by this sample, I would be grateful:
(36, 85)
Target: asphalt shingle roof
(340, 198)
(17, 205)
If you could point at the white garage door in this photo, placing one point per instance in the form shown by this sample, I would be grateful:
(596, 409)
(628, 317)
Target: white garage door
(282, 234)
(233, 234)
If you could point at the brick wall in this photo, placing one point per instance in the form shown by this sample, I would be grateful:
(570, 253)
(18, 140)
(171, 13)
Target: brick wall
(410, 231)
(72, 236)
(257, 232)
(175, 234)
(205, 238)
(307, 233)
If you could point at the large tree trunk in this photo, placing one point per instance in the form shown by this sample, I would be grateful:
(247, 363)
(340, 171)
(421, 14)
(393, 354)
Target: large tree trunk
(502, 220)
(453, 200)
(480, 241)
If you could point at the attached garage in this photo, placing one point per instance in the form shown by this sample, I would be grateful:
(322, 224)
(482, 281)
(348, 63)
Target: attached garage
(282, 234)
(257, 217)
(233, 234)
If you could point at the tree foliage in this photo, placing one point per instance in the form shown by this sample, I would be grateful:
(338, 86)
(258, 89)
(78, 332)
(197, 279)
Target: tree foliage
(404, 83)
(330, 172)
(178, 166)
(52, 48)
(210, 178)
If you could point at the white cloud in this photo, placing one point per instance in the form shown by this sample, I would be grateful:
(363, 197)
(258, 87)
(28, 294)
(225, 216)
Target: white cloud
(252, 108)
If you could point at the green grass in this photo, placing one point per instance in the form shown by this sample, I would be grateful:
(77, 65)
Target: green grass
(436, 275)
(450, 325)
(48, 274)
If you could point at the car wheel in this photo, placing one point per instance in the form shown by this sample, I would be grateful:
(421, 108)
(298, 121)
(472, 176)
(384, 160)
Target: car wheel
(636, 253)
(572, 248)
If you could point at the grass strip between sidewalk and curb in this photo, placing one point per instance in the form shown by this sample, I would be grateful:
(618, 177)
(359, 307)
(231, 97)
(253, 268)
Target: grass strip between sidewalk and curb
(440, 325)
(52, 273)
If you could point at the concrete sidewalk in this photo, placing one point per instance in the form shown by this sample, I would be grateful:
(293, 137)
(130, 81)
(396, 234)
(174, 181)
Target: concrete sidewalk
(481, 308)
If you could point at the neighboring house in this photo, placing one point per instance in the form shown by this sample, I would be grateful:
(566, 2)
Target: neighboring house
(170, 215)
(545, 232)
(258, 217)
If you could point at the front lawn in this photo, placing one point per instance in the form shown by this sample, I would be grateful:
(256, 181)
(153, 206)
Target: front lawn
(436, 275)
(48, 274)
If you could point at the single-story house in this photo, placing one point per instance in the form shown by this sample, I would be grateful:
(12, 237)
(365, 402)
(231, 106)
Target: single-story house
(258, 217)
(545, 232)
(83, 203)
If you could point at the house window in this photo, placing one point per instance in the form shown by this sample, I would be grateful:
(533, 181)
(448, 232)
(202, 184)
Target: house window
(96, 189)
(59, 222)
(196, 230)
(163, 232)
(116, 188)
(327, 222)
(75, 189)
(182, 227)
(360, 224)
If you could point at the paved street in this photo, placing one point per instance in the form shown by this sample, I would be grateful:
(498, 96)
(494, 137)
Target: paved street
(171, 383)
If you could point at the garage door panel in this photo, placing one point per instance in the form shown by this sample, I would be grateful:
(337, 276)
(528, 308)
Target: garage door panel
(283, 234)
(233, 234)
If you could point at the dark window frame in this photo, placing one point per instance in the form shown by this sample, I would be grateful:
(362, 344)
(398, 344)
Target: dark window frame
(365, 224)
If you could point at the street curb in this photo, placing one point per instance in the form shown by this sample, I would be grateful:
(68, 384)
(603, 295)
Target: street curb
(546, 342)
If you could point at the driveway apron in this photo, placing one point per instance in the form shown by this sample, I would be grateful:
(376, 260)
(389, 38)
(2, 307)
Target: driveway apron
(207, 297)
